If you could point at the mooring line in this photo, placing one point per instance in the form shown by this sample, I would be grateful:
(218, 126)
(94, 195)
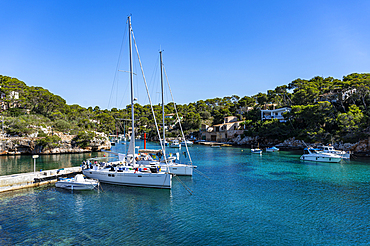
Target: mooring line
(202, 174)
(190, 191)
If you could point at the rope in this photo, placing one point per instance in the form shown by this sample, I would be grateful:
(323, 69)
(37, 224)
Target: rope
(190, 191)
(202, 174)
(100, 187)
(116, 71)
(178, 118)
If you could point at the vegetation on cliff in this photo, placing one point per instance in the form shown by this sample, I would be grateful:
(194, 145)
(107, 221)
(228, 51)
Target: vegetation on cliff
(322, 109)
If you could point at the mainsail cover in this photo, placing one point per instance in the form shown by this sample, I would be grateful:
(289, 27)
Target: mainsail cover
(131, 148)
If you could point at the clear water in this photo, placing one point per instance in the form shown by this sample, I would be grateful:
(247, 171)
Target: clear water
(24, 163)
(245, 199)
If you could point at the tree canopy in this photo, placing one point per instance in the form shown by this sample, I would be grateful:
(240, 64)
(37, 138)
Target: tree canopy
(321, 108)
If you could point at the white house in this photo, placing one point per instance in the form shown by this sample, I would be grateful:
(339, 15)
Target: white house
(274, 114)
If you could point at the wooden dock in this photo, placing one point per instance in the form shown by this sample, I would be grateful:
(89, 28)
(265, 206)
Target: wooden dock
(25, 180)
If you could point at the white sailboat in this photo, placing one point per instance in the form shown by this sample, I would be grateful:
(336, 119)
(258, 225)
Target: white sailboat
(129, 173)
(168, 164)
(257, 150)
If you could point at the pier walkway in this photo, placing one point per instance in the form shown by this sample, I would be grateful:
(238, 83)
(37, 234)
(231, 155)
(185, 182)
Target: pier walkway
(25, 180)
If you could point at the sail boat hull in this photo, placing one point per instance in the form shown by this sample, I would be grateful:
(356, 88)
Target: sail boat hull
(171, 167)
(179, 169)
(131, 178)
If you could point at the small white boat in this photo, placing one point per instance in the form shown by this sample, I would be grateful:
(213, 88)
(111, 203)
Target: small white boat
(314, 155)
(256, 151)
(272, 149)
(215, 146)
(165, 143)
(188, 143)
(175, 144)
(77, 183)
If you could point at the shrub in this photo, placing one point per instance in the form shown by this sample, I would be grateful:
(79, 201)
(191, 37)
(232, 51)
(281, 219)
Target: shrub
(49, 142)
(83, 139)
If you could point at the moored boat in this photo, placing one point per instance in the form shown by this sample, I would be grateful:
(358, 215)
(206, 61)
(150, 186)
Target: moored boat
(330, 149)
(188, 143)
(311, 154)
(128, 172)
(272, 149)
(79, 182)
(175, 144)
(256, 151)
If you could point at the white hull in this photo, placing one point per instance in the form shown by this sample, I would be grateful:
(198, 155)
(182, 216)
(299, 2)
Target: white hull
(131, 178)
(320, 158)
(179, 169)
(256, 151)
(189, 144)
(77, 183)
(175, 145)
(173, 168)
(272, 150)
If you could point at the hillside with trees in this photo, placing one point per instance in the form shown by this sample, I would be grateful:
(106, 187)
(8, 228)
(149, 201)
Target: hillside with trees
(322, 109)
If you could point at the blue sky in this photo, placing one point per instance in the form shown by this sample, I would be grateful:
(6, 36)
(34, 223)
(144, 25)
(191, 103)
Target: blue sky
(211, 48)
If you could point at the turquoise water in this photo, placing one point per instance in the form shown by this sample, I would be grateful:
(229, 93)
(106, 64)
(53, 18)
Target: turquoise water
(273, 199)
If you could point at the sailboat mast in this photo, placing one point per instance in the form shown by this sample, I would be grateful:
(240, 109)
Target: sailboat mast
(162, 87)
(132, 89)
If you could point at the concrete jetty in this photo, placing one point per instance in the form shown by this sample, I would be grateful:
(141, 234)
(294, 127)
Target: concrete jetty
(25, 180)
(215, 144)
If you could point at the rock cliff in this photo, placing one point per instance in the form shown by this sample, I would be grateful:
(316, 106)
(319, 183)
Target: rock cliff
(28, 145)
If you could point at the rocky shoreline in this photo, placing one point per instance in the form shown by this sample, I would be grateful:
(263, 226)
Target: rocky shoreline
(28, 146)
(360, 148)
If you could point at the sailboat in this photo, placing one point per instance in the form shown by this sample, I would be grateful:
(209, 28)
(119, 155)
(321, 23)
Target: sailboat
(129, 173)
(257, 150)
(168, 163)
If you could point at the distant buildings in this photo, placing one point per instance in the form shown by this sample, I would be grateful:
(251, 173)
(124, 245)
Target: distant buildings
(13, 95)
(222, 132)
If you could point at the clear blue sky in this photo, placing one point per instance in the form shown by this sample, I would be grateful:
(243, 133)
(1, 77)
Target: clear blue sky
(211, 48)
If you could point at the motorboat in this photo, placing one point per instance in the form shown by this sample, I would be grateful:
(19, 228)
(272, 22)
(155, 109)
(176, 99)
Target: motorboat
(188, 143)
(272, 149)
(165, 143)
(79, 182)
(175, 144)
(311, 154)
(330, 149)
